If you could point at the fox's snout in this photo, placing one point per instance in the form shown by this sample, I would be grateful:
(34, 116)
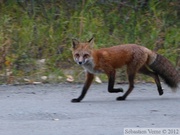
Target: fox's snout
(80, 63)
(80, 60)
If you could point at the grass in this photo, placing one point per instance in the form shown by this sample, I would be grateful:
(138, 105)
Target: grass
(35, 30)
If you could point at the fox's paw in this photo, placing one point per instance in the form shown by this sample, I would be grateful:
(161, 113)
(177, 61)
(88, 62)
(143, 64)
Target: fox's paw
(121, 90)
(120, 98)
(75, 100)
(116, 90)
(160, 91)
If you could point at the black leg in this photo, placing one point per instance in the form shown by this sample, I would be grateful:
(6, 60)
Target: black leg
(111, 82)
(146, 71)
(131, 86)
(89, 79)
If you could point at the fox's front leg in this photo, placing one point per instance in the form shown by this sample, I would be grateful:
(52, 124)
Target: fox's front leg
(89, 79)
(111, 81)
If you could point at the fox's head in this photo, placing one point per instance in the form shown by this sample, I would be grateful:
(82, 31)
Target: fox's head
(82, 52)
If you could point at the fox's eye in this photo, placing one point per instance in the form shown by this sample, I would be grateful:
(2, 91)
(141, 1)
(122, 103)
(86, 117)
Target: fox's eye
(77, 55)
(86, 56)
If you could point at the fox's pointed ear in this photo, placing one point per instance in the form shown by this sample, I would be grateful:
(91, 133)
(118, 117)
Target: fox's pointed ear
(91, 42)
(75, 43)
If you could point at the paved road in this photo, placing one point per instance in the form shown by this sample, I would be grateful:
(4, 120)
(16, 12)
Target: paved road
(47, 110)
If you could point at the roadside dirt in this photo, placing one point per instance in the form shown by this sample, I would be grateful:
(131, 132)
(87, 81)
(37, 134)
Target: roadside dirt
(47, 110)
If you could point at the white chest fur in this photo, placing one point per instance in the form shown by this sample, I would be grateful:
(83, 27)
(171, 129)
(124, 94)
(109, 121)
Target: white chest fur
(90, 68)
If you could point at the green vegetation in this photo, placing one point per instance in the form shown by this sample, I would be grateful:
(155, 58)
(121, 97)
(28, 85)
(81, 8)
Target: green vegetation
(35, 35)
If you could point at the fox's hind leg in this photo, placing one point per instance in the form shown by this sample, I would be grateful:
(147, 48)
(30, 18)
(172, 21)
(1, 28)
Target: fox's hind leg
(131, 72)
(131, 86)
(146, 71)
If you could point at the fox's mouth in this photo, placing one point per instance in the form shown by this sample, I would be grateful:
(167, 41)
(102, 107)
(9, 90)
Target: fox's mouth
(81, 63)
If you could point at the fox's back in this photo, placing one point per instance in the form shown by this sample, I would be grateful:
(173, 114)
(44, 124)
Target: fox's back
(120, 55)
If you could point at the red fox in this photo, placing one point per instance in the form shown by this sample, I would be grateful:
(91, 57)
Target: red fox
(136, 58)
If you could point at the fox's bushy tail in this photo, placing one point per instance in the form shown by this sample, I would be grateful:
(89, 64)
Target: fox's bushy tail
(164, 68)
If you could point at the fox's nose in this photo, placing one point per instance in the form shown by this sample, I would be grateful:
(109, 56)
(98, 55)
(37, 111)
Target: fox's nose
(80, 62)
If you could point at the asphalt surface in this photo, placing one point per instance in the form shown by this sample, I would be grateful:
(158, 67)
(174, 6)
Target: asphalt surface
(47, 110)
